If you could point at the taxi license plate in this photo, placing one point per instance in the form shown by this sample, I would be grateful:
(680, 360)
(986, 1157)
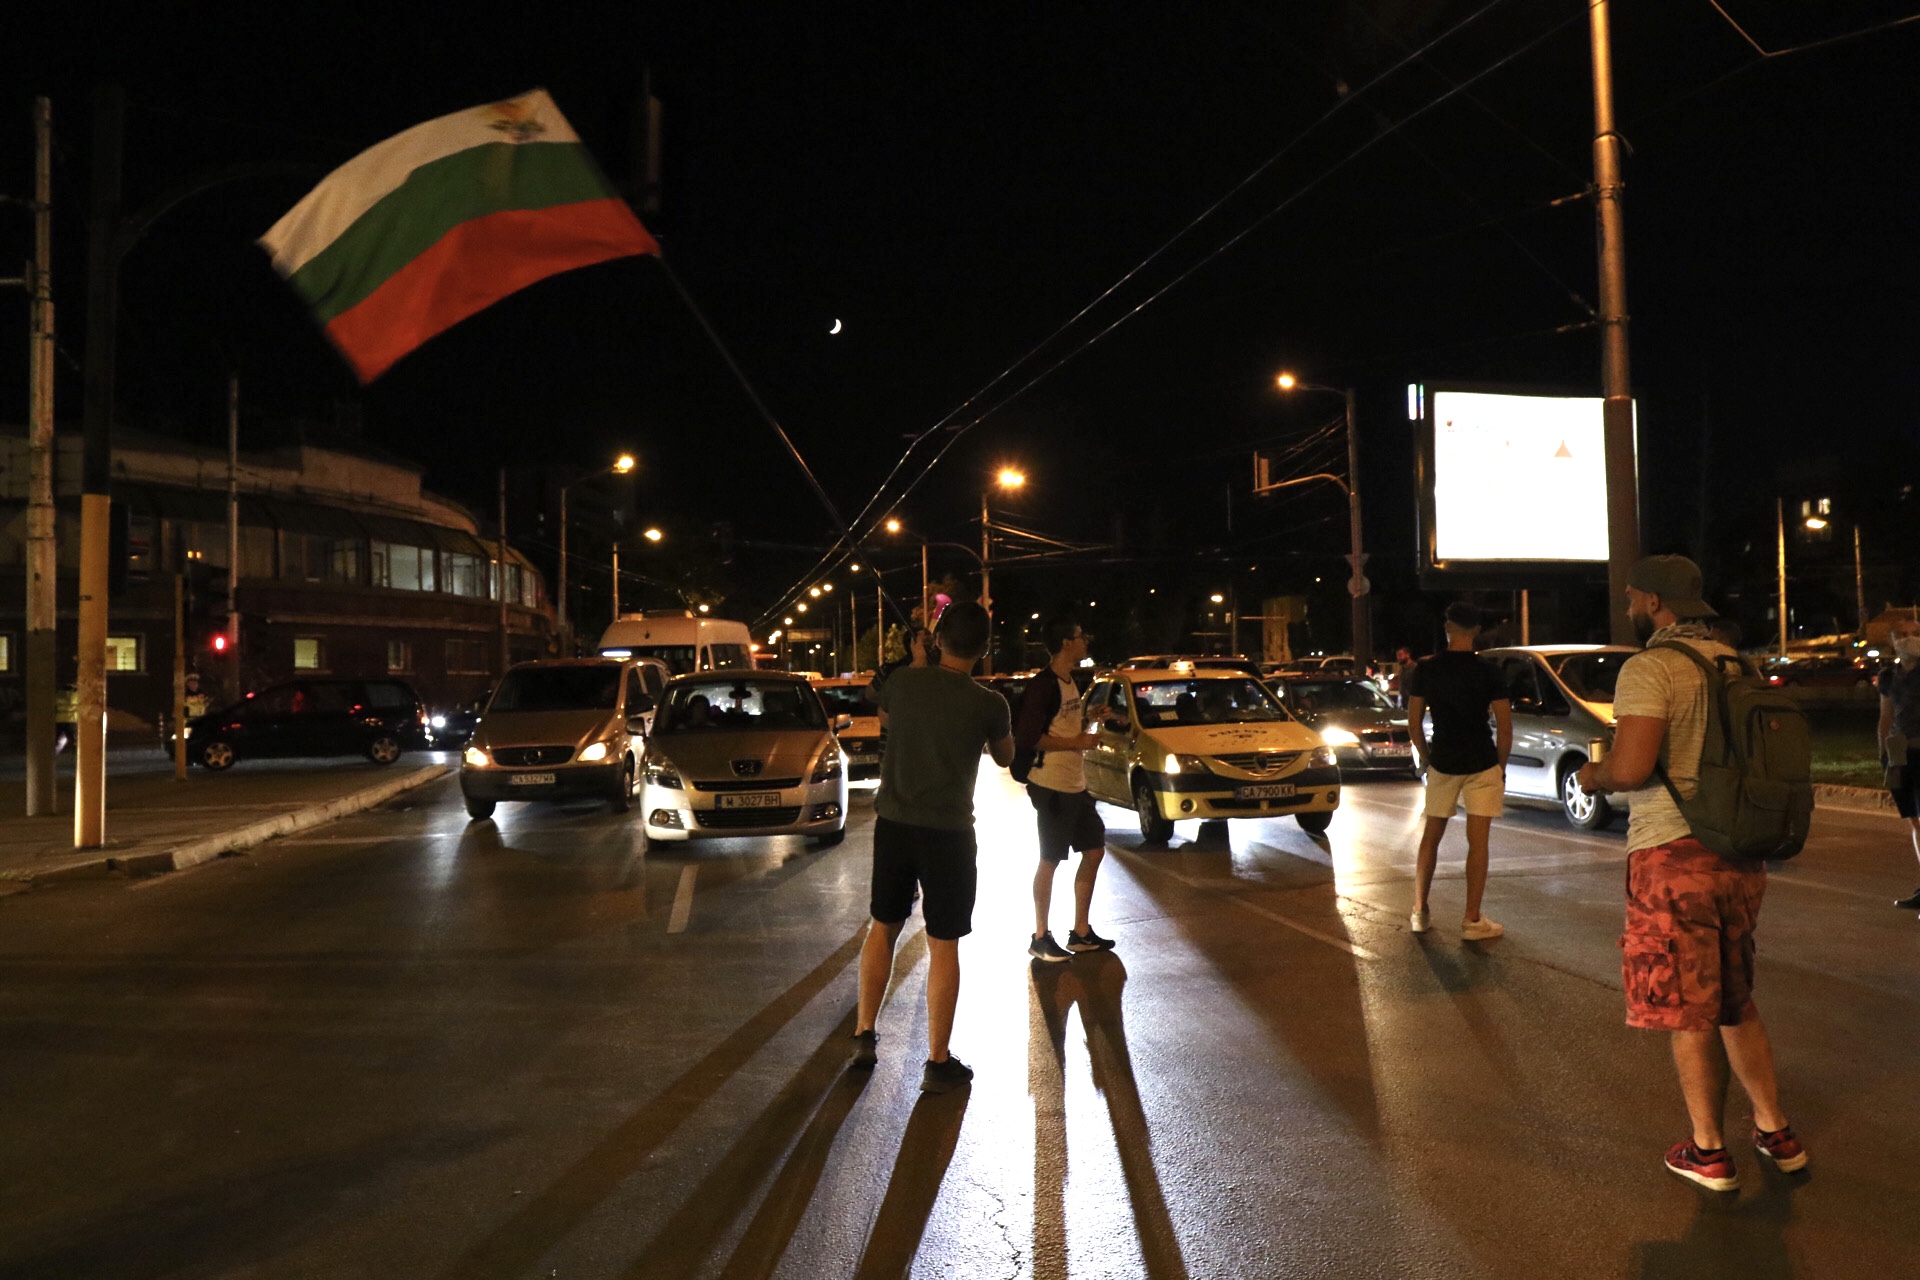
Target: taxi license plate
(864, 759)
(1394, 749)
(531, 780)
(748, 800)
(1265, 791)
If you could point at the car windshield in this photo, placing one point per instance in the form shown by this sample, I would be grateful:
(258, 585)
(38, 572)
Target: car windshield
(595, 688)
(846, 700)
(1204, 701)
(1591, 676)
(730, 705)
(1317, 697)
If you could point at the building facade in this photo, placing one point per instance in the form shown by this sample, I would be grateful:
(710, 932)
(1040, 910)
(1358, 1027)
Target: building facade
(346, 566)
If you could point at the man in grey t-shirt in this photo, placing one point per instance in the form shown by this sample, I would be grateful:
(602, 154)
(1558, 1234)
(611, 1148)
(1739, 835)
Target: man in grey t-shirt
(937, 721)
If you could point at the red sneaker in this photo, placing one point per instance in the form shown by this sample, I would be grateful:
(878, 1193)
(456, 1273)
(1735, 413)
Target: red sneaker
(1712, 1170)
(1781, 1147)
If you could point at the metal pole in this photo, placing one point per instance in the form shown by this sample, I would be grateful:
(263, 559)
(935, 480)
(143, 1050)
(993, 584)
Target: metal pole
(616, 581)
(504, 659)
(233, 536)
(1623, 498)
(986, 579)
(1780, 531)
(1357, 585)
(1526, 616)
(853, 620)
(42, 562)
(926, 591)
(96, 502)
(1859, 584)
(879, 620)
(566, 629)
(179, 678)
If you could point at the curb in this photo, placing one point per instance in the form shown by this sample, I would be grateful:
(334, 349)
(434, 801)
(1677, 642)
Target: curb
(1830, 795)
(207, 848)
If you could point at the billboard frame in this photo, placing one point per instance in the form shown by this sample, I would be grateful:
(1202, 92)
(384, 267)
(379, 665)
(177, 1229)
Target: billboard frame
(1437, 574)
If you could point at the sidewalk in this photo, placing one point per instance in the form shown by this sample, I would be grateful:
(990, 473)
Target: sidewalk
(157, 824)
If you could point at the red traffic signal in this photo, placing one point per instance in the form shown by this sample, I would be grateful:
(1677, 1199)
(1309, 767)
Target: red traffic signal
(220, 642)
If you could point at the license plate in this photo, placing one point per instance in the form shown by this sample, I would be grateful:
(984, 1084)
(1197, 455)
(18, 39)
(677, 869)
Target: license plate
(748, 800)
(1265, 791)
(531, 780)
(1393, 749)
(864, 759)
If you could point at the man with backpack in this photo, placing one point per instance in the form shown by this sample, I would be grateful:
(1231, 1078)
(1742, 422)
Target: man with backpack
(1048, 737)
(1694, 746)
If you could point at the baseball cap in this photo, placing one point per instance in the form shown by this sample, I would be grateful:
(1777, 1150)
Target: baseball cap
(1676, 580)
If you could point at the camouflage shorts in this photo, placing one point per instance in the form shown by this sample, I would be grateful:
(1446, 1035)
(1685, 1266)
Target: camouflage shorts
(1687, 953)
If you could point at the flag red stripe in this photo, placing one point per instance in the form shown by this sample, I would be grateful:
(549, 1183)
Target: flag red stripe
(475, 265)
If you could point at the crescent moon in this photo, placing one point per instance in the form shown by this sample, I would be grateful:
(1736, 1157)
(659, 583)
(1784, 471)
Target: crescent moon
(836, 326)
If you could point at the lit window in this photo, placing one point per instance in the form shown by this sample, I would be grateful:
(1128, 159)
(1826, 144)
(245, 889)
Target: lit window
(123, 653)
(399, 655)
(6, 652)
(308, 654)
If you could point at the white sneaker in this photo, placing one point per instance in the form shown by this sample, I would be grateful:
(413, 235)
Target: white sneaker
(1420, 921)
(1480, 930)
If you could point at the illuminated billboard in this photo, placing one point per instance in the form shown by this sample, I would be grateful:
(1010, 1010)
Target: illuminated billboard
(1511, 478)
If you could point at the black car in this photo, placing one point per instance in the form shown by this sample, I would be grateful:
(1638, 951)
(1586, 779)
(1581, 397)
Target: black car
(320, 716)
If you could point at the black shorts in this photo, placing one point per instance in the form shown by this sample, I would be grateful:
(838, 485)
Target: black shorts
(1906, 798)
(1068, 820)
(937, 859)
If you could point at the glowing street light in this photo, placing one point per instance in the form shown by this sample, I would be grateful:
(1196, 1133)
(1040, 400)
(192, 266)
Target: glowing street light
(653, 535)
(893, 525)
(703, 608)
(624, 464)
(1357, 585)
(814, 592)
(826, 586)
(787, 621)
(1010, 478)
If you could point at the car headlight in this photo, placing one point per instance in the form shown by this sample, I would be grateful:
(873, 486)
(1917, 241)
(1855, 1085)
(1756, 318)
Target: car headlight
(1339, 737)
(1322, 756)
(661, 773)
(439, 722)
(829, 767)
(477, 758)
(595, 751)
(1185, 764)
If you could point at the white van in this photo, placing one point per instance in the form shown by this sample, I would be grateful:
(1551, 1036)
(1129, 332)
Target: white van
(683, 640)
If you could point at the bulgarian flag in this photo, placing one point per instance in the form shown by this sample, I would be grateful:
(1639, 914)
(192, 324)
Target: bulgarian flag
(414, 235)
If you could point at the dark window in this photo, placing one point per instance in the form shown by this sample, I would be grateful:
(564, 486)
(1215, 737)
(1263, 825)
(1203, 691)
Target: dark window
(381, 693)
(1204, 701)
(595, 688)
(1591, 676)
(734, 705)
(1321, 696)
(280, 700)
(728, 656)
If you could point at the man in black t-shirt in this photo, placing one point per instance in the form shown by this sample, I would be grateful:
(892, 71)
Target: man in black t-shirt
(1465, 763)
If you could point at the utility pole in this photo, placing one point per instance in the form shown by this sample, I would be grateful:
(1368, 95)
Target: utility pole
(235, 689)
(42, 564)
(1780, 541)
(179, 678)
(616, 577)
(986, 578)
(565, 623)
(1357, 586)
(1623, 497)
(1859, 585)
(926, 594)
(96, 502)
(504, 659)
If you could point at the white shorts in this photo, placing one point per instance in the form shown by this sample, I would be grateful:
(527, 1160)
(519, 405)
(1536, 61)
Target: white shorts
(1484, 792)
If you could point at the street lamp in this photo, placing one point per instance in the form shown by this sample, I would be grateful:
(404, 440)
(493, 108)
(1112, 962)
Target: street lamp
(651, 535)
(1357, 585)
(622, 466)
(1007, 478)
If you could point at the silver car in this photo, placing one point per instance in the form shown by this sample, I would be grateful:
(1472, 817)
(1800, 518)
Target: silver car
(1562, 697)
(557, 730)
(738, 753)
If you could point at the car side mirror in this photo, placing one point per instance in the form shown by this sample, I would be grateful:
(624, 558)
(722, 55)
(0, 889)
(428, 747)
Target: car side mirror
(637, 725)
(842, 723)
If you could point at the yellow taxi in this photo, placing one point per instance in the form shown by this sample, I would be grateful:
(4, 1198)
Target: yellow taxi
(1196, 743)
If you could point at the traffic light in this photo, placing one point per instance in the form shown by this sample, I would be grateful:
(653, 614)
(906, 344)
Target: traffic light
(218, 643)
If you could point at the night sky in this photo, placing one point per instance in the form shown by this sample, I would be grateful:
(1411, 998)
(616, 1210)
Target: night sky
(955, 185)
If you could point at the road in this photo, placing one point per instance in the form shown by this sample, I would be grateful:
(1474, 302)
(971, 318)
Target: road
(410, 1046)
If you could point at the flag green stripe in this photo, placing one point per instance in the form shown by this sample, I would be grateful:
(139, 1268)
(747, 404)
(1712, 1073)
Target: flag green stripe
(436, 198)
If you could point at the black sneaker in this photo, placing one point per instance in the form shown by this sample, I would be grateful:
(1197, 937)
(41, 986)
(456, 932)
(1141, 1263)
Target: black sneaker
(1045, 948)
(945, 1077)
(1088, 941)
(866, 1050)
(1909, 903)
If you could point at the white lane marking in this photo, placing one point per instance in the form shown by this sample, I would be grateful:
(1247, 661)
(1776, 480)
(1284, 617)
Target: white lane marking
(1590, 842)
(683, 900)
(1214, 886)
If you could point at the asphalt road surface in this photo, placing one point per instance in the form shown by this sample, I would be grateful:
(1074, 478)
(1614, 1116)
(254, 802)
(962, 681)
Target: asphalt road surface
(409, 1046)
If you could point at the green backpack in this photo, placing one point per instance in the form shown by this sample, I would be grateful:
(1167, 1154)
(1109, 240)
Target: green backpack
(1755, 798)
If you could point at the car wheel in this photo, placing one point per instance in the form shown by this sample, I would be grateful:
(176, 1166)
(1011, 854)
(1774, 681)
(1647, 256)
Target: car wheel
(1314, 823)
(479, 810)
(216, 755)
(1588, 813)
(1155, 827)
(622, 799)
(384, 749)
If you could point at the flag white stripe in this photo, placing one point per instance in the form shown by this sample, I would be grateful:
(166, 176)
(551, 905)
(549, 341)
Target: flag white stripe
(359, 184)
